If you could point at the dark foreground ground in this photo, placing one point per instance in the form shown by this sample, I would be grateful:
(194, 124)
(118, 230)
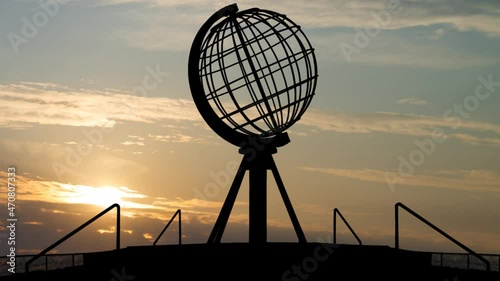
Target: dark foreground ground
(271, 261)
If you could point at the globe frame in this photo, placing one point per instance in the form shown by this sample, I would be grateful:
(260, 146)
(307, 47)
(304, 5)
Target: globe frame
(198, 91)
(257, 149)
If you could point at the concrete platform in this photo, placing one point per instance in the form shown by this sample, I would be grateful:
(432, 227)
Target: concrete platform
(271, 261)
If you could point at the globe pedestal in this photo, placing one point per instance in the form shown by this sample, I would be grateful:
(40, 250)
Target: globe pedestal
(257, 160)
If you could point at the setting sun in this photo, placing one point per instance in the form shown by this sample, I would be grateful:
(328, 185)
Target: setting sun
(103, 195)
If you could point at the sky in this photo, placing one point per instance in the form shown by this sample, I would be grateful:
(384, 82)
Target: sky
(95, 109)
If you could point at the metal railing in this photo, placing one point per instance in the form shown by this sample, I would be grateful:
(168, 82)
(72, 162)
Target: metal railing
(335, 213)
(73, 260)
(178, 212)
(42, 253)
(466, 263)
(59, 255)
(396, 237)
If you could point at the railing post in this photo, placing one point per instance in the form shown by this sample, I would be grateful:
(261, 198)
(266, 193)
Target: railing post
(396, 226)
(48, 249)
(180, 228)
(73, 260)
(178, 212)
(335, 226)
(468, 261)
(46, 263)
(335, 213)
(422, 219)
(118, 227)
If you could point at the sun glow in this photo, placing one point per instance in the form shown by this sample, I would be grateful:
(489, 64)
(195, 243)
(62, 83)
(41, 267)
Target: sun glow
(103, 196)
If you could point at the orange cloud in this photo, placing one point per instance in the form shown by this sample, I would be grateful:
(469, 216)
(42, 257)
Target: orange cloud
(387, 122)
(112, 229)
(33, 223)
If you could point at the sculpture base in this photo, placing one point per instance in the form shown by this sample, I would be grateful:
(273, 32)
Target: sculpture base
(271, 261)
(258, 161)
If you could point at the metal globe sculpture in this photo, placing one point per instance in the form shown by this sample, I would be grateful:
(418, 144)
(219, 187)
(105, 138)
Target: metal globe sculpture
(252, 75)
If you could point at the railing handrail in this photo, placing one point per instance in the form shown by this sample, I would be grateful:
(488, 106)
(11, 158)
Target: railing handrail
(42, 253)
(335, 213)
(428, 223)
(178, 212)
(461, 253)
(50, 255)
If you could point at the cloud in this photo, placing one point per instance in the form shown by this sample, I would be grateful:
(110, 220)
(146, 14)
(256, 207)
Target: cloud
(181, 19)
(157, 23)
(181, 138)
(397, 123)
(469, 180)
(56, 192)
(136, 137)
(466, 138)
(438, 33)
(53, 211)
(191, 203)
(133, 203)
(140, 143)
(420, 55)
(197, 222)
(32, 150)
(481, 16)
(315, 209)
(392, 49)
(111, 230)
(27, 104)
(30, 104)
(33, 223)
(464, 15)
(413, 101)
(101, 195)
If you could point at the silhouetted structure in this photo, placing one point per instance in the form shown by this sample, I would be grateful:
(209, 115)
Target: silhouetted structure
(252, 75)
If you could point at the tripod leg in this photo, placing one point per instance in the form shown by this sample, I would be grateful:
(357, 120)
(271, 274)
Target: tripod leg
(288, 203)
(257, 203)
(220, 224)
